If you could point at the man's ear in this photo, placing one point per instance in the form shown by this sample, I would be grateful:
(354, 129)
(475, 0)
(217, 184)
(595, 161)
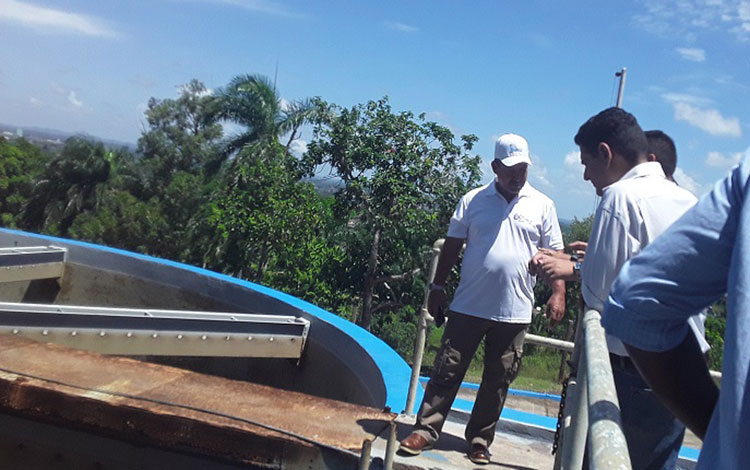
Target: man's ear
(651, 157)
(495, 166)
(604, 151)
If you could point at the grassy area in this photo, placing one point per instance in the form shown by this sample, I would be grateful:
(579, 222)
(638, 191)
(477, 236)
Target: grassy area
(539, 370)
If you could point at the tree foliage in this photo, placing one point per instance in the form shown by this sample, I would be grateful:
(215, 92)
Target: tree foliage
(401, 177)
(243, 206)
(20, 164)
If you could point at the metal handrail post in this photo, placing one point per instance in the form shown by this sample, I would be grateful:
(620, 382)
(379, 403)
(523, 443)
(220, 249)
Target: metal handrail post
(390, 447)
(576, 412)
(422, 331)
(607, 446)
(364, 456)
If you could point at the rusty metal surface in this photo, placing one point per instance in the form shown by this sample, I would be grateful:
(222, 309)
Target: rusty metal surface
(158, 405)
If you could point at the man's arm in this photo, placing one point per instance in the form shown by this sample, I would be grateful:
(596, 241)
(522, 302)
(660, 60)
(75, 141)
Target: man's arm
(448, 258)
(556, 304)
(552, 268)
(680, 377)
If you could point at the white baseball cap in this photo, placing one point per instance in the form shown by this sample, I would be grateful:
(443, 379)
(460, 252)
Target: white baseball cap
(512, 149)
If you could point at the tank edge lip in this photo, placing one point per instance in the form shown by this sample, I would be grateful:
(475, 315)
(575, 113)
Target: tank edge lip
(395, 372)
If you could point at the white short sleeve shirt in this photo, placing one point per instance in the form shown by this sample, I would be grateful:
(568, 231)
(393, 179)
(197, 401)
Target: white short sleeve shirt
(501, 237)
(632, 213)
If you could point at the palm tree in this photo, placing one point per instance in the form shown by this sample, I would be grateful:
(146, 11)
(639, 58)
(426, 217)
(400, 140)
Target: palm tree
(253, 102)
(68, 186)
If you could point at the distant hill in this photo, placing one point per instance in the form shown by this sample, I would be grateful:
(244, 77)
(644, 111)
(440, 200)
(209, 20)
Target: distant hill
(52, 137)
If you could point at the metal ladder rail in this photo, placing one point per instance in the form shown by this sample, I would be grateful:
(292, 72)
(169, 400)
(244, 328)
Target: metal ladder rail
(158, 332)
(31, 263)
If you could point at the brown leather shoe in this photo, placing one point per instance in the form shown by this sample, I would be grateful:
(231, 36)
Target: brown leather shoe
(414, 444)
(479, 454)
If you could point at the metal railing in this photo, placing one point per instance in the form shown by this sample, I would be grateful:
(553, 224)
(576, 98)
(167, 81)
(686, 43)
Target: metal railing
(592, 410)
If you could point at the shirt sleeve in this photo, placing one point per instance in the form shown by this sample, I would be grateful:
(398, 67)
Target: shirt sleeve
(551, 233)
(610, 246)
(459, 225)
(683, 271)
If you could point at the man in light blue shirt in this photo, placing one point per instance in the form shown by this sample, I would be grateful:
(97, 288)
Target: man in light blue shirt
(703, 255)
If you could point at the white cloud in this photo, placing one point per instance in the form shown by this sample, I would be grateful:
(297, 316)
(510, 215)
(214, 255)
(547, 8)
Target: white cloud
(686, 98)
(49, 19)
(692, 110)
(298, 147)
(72, 99)
(404, 28)
(690, 183)
(269, 7)
(693, 54)
(538, 173)
(573, 159)
(435, 116)
(200, 94)
(719, 160)
(686, 18)
(35, 102)
(709, 120)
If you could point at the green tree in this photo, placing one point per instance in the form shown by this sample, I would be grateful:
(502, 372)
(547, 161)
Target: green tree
(183, 135)
(253, 102)
(20, 163)
(68, 186)
(121, 220)
(266, 225)
(401, 177)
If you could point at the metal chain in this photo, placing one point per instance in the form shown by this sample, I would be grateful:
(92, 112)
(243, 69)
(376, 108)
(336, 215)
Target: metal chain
(560, 414)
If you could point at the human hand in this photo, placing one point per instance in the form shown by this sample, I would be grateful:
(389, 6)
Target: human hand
(578, 248)
(555, 310)
(551, 268)
(436, 306)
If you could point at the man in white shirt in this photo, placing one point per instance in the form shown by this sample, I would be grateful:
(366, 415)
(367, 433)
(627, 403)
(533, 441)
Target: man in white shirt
(638, 203)
(503, 224)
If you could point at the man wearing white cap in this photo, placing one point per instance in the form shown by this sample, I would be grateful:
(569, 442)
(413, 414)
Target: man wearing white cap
(503, 224)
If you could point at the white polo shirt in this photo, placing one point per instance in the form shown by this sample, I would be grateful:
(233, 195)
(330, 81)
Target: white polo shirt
(501, 237)
(632, 213)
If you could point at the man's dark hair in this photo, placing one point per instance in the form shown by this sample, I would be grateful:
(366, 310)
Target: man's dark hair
(619, 129)
(661, 145)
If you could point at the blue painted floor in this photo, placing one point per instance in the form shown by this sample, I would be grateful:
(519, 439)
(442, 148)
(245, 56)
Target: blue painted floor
(534, 419)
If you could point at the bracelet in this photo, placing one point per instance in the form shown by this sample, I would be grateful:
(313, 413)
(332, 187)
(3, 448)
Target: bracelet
(434, 286)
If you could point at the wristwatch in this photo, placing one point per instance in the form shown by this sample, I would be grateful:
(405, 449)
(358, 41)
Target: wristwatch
(577, 270)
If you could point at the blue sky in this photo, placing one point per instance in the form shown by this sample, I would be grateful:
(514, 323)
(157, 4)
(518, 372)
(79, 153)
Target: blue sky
(537, 68)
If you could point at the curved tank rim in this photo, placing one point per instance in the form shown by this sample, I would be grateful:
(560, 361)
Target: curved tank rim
(394, 370)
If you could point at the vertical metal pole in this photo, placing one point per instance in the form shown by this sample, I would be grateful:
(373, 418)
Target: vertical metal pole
(364, 456)
(422, 331)
(575, 421)
(390, 448)
(575, 415)
(607, 446)
(621, 91)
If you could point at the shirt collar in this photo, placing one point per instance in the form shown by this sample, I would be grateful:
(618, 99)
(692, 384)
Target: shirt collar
(524, 192)
(644, 169)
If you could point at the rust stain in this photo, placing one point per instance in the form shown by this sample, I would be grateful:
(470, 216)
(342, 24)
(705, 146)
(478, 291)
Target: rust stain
(165, 406)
